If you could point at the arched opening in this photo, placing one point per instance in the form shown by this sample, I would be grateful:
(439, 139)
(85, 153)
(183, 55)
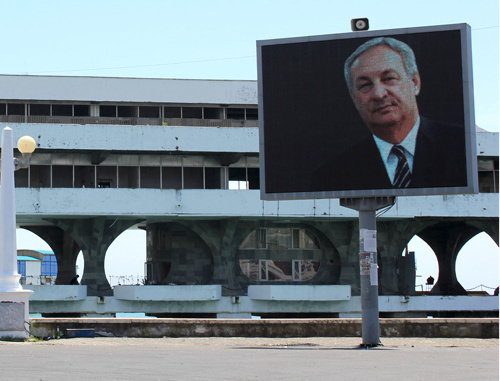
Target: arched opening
(280, 254)
(426, 264)
(477, 264)
(125, 258)
(80, 265)
(27, 240)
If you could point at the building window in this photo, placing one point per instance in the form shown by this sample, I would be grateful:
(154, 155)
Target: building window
(238, 179)
(49, 265)
(252, 114)
(172, 112)
(39, 109)
(488, 174)
(62, 110)
(236, 113)
(149, 112)
(107, 111)
(15, 109)
(21, 268)
(213, 113)
(81, 110)
(192, 112)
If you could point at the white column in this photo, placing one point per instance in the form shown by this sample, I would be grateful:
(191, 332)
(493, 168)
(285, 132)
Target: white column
(14, 301)
(9, 278)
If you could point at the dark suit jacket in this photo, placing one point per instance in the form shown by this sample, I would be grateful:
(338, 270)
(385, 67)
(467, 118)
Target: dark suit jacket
(439, 161)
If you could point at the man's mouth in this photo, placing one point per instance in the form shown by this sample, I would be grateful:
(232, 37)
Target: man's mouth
(384, 108)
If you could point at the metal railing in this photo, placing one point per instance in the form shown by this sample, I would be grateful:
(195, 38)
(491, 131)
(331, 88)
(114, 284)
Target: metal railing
(129, 121)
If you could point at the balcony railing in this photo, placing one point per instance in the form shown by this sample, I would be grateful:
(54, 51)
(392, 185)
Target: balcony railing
(129, 121)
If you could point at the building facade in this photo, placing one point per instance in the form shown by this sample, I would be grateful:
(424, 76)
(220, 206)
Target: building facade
(179, 158)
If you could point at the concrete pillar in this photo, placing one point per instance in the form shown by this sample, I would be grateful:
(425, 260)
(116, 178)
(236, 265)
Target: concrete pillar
(446, 239)
(178, 255)
(64, 247)
(93, 236)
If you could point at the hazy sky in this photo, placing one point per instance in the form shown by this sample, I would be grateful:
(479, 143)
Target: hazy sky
(216, 39)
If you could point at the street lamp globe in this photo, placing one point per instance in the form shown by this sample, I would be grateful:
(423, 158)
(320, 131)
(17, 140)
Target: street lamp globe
(26, 144)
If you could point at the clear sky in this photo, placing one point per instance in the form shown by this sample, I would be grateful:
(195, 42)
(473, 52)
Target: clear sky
(216, 39)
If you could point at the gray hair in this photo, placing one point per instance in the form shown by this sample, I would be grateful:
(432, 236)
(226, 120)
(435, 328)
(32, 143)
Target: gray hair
(406, 53)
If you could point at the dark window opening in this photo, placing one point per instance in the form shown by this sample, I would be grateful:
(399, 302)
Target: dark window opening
(172, 112)
(212, 113)
(81, 110)
(39, 110)
(107, 111)
(40, 176)
(252, 114)
(106, 177)
(193, 178)
(236, 113)
(150, 177)
(192, 112)
(21, 178)
(3, 109)
(62, 176)
(171, 178)
(62, 110)
(149, 112)
(213, 178)
(127, 111)
(84, 176)
(128, 177)
(15, 109)
(253, 178)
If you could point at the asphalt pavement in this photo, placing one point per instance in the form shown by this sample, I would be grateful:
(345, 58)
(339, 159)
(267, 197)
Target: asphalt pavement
(249, 359)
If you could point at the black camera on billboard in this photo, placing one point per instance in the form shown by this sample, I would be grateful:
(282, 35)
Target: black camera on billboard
(359, 24)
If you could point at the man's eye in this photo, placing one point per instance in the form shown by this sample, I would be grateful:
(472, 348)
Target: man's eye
(364, 86)
(390, 79)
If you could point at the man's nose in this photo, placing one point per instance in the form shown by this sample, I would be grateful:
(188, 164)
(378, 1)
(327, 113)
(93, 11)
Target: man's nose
(379, 91)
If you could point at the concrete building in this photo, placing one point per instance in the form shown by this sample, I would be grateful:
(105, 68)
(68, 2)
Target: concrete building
(179, 158)
(37, 267)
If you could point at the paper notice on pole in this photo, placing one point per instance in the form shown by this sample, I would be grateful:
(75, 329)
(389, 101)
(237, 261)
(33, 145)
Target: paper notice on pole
(365, 263)
(368, 240)
(374, 274)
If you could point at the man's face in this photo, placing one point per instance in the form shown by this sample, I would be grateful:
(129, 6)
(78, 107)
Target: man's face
(383, 93)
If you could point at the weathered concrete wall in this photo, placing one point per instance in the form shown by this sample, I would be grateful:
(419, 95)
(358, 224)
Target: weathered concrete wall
(470, 328)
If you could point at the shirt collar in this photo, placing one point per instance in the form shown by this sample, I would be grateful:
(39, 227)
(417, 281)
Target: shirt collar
(409, 142)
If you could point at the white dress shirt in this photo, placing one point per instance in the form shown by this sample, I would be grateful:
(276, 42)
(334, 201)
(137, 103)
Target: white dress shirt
(390, 160)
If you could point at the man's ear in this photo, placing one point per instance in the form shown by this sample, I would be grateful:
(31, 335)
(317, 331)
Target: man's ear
(416, 82)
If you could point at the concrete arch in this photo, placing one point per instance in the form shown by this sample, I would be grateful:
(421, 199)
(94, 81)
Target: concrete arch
(125, 258)
(326, 254)
(446, 239)
(178, 255)
(93, 236)
(64, 247)
(482, 251)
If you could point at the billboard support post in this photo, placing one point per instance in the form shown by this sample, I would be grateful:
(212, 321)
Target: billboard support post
(367, 208)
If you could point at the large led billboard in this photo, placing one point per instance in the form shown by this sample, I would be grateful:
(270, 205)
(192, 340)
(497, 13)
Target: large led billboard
(366, 114)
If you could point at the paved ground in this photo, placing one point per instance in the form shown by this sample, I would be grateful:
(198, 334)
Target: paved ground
(249, 359)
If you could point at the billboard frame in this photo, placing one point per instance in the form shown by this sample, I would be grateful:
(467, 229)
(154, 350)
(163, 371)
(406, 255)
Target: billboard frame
(468, 122)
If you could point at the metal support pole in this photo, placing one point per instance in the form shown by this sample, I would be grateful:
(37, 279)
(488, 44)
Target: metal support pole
(368, 266)
(369, 278)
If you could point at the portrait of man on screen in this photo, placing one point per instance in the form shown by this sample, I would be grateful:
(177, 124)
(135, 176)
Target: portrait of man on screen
(404, 149)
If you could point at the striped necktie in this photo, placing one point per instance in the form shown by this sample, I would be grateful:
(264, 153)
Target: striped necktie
(402, 178)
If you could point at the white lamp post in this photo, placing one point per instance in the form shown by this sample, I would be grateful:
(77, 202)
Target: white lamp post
(14, 307)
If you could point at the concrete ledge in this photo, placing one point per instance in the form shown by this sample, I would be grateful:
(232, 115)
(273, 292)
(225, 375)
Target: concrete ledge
(445, 328)
(56, 292)
(300, 292)
(168, 293)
